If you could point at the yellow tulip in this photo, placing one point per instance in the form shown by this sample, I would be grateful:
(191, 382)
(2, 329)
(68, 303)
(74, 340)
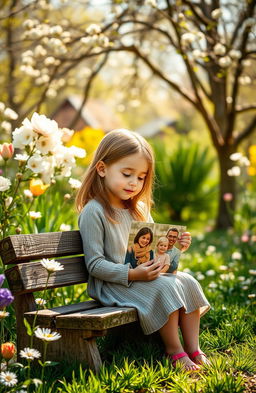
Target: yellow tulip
(37, 187)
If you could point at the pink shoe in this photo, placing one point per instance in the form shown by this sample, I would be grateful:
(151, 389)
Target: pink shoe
(199, 353)
(187, 364)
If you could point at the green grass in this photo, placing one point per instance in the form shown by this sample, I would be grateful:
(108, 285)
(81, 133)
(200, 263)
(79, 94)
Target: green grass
(227, 333)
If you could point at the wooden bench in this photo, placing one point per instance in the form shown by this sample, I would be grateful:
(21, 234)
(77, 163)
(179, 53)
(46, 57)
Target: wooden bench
(79, 324)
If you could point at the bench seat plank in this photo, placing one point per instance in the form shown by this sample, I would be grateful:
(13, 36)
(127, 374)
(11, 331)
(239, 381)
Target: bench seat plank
(19, 248)
(89, 315)
(32, 277)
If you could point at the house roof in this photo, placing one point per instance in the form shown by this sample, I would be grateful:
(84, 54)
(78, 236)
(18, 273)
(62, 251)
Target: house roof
(154, 127)
(96, 113)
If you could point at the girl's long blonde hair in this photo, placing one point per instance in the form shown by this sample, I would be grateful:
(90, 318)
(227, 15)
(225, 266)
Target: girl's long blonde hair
(116, 145)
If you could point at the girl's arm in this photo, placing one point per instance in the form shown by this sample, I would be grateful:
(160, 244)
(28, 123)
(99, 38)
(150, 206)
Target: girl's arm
(167, 262)
(91, 225)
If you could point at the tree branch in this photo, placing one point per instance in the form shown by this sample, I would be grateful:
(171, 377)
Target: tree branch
(246, 132)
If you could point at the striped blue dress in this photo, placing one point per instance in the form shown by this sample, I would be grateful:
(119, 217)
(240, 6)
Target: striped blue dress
(105, 245)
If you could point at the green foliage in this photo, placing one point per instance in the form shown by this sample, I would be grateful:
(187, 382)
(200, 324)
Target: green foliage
(183, 188)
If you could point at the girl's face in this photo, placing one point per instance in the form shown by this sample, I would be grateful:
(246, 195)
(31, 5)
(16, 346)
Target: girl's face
(162, 247)
(144, 240)
(125, 178)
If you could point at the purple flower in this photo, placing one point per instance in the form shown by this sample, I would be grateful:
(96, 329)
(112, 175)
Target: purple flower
(2, 278)
(5, 297)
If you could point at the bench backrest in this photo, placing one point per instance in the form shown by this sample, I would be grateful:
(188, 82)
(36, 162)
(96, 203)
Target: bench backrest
(26, 251)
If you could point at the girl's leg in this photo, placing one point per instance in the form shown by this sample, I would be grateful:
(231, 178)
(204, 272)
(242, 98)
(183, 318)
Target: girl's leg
(189, 325)
(170, 336)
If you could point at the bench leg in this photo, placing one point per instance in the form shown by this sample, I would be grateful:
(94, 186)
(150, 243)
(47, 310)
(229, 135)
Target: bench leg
(92, 355)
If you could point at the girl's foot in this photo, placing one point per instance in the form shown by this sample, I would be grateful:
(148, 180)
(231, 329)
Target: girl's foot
(184, 360)
(199, 357)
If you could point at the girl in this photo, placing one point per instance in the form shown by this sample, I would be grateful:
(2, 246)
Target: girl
(116, 190)
(141, 251)
(161, 256)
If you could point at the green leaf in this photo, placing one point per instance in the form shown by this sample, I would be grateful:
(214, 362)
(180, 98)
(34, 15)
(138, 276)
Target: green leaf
(28, 327)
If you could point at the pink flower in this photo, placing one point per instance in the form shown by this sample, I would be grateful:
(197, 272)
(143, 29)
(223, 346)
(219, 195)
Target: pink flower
(7, 150)
(228, 196)
(245, 238)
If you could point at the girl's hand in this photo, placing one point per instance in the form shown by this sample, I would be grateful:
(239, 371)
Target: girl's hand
(184, 241)
(147, 271)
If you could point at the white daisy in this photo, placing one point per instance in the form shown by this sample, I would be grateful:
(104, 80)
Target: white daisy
(8, 378)
(30, 353)
(40, 302)
(51, 265)
(46, 334)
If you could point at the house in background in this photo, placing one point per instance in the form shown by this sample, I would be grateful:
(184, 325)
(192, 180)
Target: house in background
(95, 114)
(155, 127)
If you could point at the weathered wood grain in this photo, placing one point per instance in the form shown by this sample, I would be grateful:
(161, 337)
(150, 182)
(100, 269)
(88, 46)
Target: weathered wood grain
(20, 248)
(32, 277)
(97, 319)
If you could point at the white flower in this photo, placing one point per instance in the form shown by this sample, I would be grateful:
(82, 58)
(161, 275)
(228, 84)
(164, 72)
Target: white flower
(210, 250)
(2, 107)
(151, 3)
(28, 194)
(6, 126)
(210, 272)
(40, 302)
(5, 183)
(236, 156)
(36, 163)
(75, 184)
(77, 151)
(30, 353)
(47, 144)
(216, 14)
(93, 29)
(10, 114)
(225, 61)
(42, 125)
(187, 38)
(223, 267)
(213, 285)
(51, 265)
(219, 49)
(235, 54)
(8, 201)
(3, 314)
(200, 276)
(34, 215)
(236, 255)
(251, 295)
(24, 135)
(8, 378)
(21, 157)
(252, 272)
(65, 227)
(46, 334)
(234, 171)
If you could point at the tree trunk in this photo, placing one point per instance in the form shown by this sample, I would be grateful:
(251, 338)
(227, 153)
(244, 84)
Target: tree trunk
(225, 216)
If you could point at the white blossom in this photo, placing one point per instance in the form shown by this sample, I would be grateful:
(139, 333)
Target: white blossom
(8, 378)
(219, 49)
(236, 156)
(5, 183)
(77, 151)
(75, 184)
(6, 125)
(51, 265)
(236, 255)
(42, 125)
(234, 171)
(224, 62)
(46, 334)
(2, 107)
(210, 250)
(65, 227)
(235, 54)
(216, 14)
(252, 296)
(40, 301)
(187, 38)
(10, 114)
(30, 353)
(252, 272)
(93, 29)
(36, 163)
(210, 273)
(213, 285)
(28, 194)
(34, 215)
(21, 157)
